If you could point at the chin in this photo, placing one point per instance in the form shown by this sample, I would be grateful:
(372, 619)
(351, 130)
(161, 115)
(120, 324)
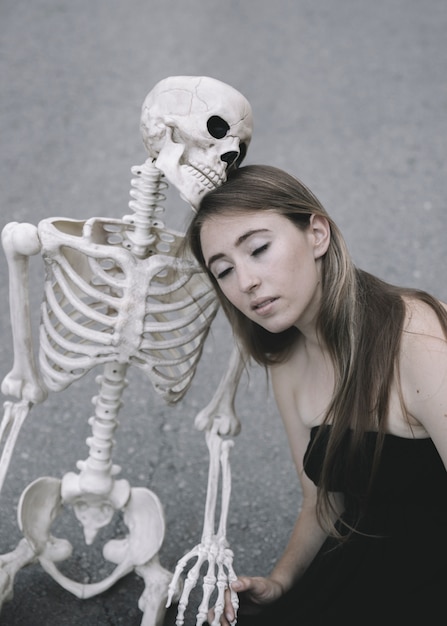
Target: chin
(275, 329)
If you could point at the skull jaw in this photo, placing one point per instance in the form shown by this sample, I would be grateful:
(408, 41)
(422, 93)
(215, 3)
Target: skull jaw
(192, 181)
(194, 127)
(192, 189)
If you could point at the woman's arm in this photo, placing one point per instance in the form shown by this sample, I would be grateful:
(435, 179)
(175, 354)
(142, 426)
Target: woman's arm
(305, 541)
(307, 535)
(423, 373)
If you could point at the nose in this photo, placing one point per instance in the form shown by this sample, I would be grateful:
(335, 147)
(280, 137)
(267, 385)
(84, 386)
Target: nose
(248, 281)
(229, 158)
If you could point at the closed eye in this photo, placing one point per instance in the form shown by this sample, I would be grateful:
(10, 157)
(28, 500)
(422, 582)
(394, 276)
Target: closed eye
(223, 273)
(260, 250)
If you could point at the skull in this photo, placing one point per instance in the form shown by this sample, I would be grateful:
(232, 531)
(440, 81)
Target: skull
(196, 129)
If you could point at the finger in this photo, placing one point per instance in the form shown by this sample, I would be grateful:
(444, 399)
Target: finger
(223, 620)
(227, 616)
(229, 611)
(243, 583)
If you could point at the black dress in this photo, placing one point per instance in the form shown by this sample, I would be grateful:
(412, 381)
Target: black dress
(397, 577)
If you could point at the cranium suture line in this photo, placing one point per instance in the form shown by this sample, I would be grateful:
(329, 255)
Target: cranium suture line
(118, 293)
(195, 128)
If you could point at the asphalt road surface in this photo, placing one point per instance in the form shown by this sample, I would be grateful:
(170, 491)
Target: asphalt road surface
(350, 96)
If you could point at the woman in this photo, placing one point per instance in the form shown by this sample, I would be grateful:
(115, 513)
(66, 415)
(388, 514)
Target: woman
(358, 368)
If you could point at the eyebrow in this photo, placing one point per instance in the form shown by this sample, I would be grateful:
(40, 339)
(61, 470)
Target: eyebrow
(240, 240)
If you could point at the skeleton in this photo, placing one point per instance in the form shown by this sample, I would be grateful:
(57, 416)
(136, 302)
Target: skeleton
(118, 293)
(214, 547)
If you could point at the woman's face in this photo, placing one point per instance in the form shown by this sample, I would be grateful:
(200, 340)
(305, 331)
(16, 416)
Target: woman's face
(266, 266)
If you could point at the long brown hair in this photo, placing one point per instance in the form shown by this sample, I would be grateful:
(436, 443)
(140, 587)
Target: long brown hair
(360, 320)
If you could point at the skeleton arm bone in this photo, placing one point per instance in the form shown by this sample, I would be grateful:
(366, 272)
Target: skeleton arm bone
(221, 406)
(213, 548)
(20, 241)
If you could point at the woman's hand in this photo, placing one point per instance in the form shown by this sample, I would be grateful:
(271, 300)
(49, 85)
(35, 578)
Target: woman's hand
(254, 592)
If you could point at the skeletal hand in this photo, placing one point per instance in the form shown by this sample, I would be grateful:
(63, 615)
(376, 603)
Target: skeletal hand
(219, 575)
(214, 547)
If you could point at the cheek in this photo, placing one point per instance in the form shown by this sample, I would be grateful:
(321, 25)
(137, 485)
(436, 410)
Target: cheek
(305, 275)
(229, 293)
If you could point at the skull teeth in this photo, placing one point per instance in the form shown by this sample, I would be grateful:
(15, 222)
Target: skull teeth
(208, 177)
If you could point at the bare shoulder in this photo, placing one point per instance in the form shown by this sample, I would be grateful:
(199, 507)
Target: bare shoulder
(422, 328)
(423, 372)
(423, 356)
(421, 318)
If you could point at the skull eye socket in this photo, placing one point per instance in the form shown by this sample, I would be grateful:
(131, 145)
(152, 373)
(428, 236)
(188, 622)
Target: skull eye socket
(217, 127)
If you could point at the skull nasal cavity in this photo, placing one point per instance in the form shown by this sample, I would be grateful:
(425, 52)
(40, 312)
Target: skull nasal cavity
(229, 157)
(217, 127)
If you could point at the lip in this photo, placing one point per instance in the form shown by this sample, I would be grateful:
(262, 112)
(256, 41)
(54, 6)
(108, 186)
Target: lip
(263, 306)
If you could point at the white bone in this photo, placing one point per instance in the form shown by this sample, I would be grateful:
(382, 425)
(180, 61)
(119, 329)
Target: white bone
(23, 381)
(10, 565)
(221, 406)
(226, 573)
(95, 493)
(40, 504)
(105, 305)
(156, 581)
(14, 415)
(195, 127)
(213, 547)
(117, 294)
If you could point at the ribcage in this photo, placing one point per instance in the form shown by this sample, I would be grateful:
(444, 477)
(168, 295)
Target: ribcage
(102, 305)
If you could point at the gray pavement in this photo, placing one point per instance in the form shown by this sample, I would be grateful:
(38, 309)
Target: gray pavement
(351, 96)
